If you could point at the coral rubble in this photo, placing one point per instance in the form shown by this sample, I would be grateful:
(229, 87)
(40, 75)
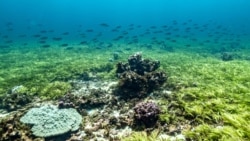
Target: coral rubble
(13, 130)
(16, 98)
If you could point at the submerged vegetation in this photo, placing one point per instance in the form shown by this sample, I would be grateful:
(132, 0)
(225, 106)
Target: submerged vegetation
(210, 97)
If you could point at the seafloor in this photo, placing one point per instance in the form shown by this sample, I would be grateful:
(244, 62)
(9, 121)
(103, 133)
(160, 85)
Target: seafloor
(206, 95)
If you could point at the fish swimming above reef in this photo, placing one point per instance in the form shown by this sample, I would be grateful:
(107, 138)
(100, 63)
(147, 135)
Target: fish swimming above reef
(104, 25)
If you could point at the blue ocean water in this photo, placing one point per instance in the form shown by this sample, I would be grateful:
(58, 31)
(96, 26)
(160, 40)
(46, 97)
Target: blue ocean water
(47, 46)
(25, 18)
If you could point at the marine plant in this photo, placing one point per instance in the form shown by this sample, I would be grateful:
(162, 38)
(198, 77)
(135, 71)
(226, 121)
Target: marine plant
(55, 90)
(210, 94)
(144, 136)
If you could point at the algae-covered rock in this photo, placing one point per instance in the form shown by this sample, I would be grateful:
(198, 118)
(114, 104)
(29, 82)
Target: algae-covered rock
(16, 98)
(138, 77)
(49, 121)
(55, 90)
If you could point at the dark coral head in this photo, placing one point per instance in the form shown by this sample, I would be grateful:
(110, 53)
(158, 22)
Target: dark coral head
(146, 113)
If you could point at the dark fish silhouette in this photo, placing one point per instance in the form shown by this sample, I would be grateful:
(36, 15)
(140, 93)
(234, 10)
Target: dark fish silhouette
(114, 30)
(57, 38)
(69, 48)
(89, 30)
(64, 45)
(104, 25)
(83, 42)
(42, 42)
(9, 24)
(10, 29)
(45, 46)
(118, 27)
(43, 31)
(109, 45)
(51, 31)
(9, 41)
(65, 33)
(22, 35)
(37, 35)
(44, 38)
(4, 46)
(153, 27)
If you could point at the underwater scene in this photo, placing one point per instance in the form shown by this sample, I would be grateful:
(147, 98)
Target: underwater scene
(124, 70)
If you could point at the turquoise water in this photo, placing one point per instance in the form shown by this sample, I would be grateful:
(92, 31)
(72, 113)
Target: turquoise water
(196, 22)
(53, 51)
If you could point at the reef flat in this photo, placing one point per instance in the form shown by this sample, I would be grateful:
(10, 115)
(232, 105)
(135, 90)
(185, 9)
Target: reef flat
(204, 96)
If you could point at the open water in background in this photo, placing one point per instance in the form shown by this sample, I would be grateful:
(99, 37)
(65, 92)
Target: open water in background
(25, 17)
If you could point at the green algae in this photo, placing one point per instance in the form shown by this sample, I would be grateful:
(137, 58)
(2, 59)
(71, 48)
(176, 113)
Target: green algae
(55, 90)
(213, 94)
(37, 70)
(209, 92)
(143, 136)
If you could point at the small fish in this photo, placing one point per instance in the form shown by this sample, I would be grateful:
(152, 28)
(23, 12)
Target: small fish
(45, 46)
(153, 27)
(44, 38)
(98, 47)
(4, 46)
(104, 25)
(69, 48)
(57, 38)
(10, 29)
(83, 42)
(125, 33)
(114, 30)
(51, 31)
(174, 41)
(37, 35)
(9, 24)
(42, 42)
(131, 28)
(128, 49)
(64, 45)
(43, 31)
(9, 41)
(138, 26)
(109, 45)
(118, 27)
(131, 25)
(22, 35)
(89, 30)
(65, 33)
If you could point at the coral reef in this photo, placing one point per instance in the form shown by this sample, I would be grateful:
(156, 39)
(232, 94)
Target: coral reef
(12, 130)
(97, 98)
(205, 98)
(146, 113)
(16, 98)
(49, 121)
(138, 65)
(138, 77)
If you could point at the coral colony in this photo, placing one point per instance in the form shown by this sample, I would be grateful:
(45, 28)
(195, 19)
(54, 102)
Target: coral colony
(146, 113)
(139, 77)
